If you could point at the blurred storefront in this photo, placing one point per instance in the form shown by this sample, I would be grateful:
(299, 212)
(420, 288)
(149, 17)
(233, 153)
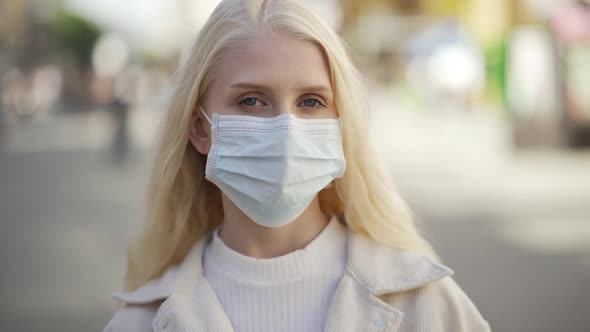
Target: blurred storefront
(570, 28)
(527, 57)
(548, 75)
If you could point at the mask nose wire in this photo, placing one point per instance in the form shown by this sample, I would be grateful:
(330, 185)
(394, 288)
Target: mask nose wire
(205, 114)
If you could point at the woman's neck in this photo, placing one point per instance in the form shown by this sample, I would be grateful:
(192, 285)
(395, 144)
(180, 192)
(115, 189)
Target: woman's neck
(243, 235)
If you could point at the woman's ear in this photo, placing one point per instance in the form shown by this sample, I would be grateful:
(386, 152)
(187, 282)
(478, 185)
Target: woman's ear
(199, 137)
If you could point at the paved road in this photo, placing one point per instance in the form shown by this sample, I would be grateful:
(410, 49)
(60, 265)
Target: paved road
(518, 240)
(65, 218)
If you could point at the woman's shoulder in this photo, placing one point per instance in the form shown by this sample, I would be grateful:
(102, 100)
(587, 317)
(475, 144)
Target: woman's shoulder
(440, 305)
(140, 306)
(422, 288)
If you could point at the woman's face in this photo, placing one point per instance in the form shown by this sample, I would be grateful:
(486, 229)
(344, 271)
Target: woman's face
(272, 74)
(267, 75)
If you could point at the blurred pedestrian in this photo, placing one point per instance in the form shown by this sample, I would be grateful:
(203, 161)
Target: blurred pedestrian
(2, 122)
(120, 145)
(268, 208)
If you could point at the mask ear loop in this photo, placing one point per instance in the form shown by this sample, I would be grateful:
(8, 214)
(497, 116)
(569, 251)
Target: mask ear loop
(205, 114)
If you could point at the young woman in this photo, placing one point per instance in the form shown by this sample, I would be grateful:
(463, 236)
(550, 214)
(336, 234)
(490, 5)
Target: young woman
(268, 210)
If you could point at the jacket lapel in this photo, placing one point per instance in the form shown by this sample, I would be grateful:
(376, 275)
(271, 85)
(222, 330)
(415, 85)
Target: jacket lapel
(373, 270)
(353, 308)
(192, 304)
(198, 311)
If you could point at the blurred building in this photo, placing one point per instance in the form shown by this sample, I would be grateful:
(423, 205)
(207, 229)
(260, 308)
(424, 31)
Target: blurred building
(12, 22)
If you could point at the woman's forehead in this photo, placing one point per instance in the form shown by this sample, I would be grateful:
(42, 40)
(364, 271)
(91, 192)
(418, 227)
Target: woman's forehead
(274, 59)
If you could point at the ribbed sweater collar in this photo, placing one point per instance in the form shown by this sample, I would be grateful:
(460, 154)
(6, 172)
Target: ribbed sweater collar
(326, 250)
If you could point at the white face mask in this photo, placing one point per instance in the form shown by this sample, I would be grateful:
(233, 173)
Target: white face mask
(272, 168)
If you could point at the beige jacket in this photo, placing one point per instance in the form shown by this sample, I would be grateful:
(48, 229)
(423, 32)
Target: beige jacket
(383, 289)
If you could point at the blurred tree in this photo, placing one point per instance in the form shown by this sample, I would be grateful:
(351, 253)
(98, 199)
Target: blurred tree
(75, 36)
(74, 40)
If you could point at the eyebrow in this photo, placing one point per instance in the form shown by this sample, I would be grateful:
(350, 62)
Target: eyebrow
(262, 87)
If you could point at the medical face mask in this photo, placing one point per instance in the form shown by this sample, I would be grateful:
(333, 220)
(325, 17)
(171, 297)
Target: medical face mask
(272, 168)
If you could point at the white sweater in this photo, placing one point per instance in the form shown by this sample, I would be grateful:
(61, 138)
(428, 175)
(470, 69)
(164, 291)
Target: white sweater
(286, 293)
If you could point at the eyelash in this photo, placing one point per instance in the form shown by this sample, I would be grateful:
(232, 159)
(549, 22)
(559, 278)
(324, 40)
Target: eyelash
(319, 104)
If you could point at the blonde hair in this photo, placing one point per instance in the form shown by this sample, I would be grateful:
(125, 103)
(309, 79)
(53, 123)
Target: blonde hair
(182, 206)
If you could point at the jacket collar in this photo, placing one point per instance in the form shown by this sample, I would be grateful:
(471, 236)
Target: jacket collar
(378, 268)
(371, 270)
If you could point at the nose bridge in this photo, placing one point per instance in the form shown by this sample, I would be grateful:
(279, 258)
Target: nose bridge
(282, 106)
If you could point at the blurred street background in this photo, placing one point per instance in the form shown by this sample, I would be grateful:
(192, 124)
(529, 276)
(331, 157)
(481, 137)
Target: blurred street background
(481, 109)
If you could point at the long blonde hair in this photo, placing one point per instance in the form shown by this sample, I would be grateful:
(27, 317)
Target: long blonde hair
(182, 205)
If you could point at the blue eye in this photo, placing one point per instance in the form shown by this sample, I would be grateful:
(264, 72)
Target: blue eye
(249, 101)
(312, 103)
